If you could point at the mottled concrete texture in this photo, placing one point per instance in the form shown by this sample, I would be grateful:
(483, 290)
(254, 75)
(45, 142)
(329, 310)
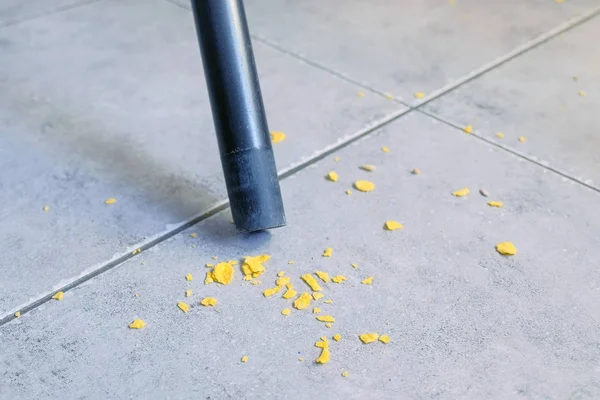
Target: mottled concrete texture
(464, 321)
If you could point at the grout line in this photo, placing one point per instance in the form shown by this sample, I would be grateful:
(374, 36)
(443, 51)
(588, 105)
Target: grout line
(223, 205)
(47, 12)
(508, 149)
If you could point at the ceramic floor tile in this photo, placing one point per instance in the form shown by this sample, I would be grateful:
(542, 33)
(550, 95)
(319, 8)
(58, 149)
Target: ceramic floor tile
(549, 96)
(464, 321)
(108, 100)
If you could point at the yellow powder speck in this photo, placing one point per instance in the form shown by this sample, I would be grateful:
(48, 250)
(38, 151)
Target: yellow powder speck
(280, 274)
(255, 282)
(300, 359)
(317, 296)
(369, 337)
(581, 93)
(194, 234)
(495, 204)
(209, 278)
(290, 262)
(384, 339)
(110, 200)
(303, 301)
(361, 94)
(46, 208)
(137, 295)
(215, 257)
(209, 265)
(137, 324)
(312, 282)
(316, 310)
(188, 293)
(345, 374)
(506, 249)
(367, 281)
(354, 266)
(364, 186)
(461, 192)
(338, 278)
(209, 301)
(245, 359)
(468, 129)
(328, 301)
(336, 159)
(324, 276)
(368, 167)
(416, 171)
(189, 277)
(332, 176)
(284, 280)
(499, 135)
(337, 337)
(286, 312)
(270, 292)
(325, 318)
(18, 314)
(389, 96)
(223, 273)
(183, 306)
(290, 293)
(348, 192)
(136, 251)
(393, 225)
(328, 325)
(385, 149)
(277, 137)
(58, 296)
(522, 139)
(419, 95)
(328, 251)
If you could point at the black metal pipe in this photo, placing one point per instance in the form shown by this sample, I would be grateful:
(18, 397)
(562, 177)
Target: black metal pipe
(238, 114)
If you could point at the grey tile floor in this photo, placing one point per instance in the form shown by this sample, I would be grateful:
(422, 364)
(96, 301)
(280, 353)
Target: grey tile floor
(106, 99)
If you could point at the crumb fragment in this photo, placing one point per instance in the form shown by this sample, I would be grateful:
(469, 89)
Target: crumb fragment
(188, 293)
(332, 176)
(277, 137)
(367, 281)
(324, 276)
(312, 282)
(468, 129)
(499, 135)
(325, 318)
(286, 312)
(354, 266)
(461, 192)
(284, 280)
(506, 249)
(18, 314)
(345, 374)
(348, 192)
(136, 251)
(233, 262)
(223, 273)
(303, 301)
(364, 186)
(58, 296)
(209, 301)
(419, 95)
(416, 171)
(581, 93)
(209, 265)
(337, 337)
(215, 257)
(338, 278)
(328, 251)
(384, 339)
(183, 306)
(323, 344)
(367, 167)
(280, 274)
(300, 359)
(193, 234)
(255, 283)
(483, 192)
(368, 337)
(328, 301)
(245, 359)
(328, 325)
(46, 209)
(495, 204)
(393, 225)
(290, 262)
(253, 266)
(317, 296)
(209, 278)
(389, 96)
(270, 292)
(137, 324)
(522, 139)
(290, 293)
(189, 277)
(385, 149)
(110, 200)
(361, 94)
(316, 310)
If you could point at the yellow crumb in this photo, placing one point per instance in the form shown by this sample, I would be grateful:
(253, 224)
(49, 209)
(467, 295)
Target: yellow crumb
(468, 129)
(317, 296)
(348, 192)
(323, 344)
(194, 234)
(495, 204)
(188, 293)
(215, 257)
(137, 324)
(58, 296)
(325, 318)
(328, 325)
(416, 171)
(189, 277)
(270, 292)
(369, 337)
(290, 262)
(522, 139)
(338, 278)
(209, 265)
(328, 301)
(303, 301)
(324, 276)
(209, 278)
(280, 274)
(286, 312)
(393, 225)
(367, 167)
(209, 301)
(385, 149)
(18, 314)
(110, 200)
(253, 265)
(300, 359)
(223, 273)
(255, 282)
(284, 280)
(183, 306)
(581, 93)
(316, 310)
(136, 251)
(233, 262)
(345, 374)
(337, 337)
(499, 135)
(389, 96)
(361, 94)
(354, 265)
(328, 251)
(46, 208)
(332, 176)
(312, 282)
(277, 137)
(384, 339)
(419, 95)
(290, 293)
(367, 281)
(245, 359)
(364, 186)
(461, 192)
(506, 249)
